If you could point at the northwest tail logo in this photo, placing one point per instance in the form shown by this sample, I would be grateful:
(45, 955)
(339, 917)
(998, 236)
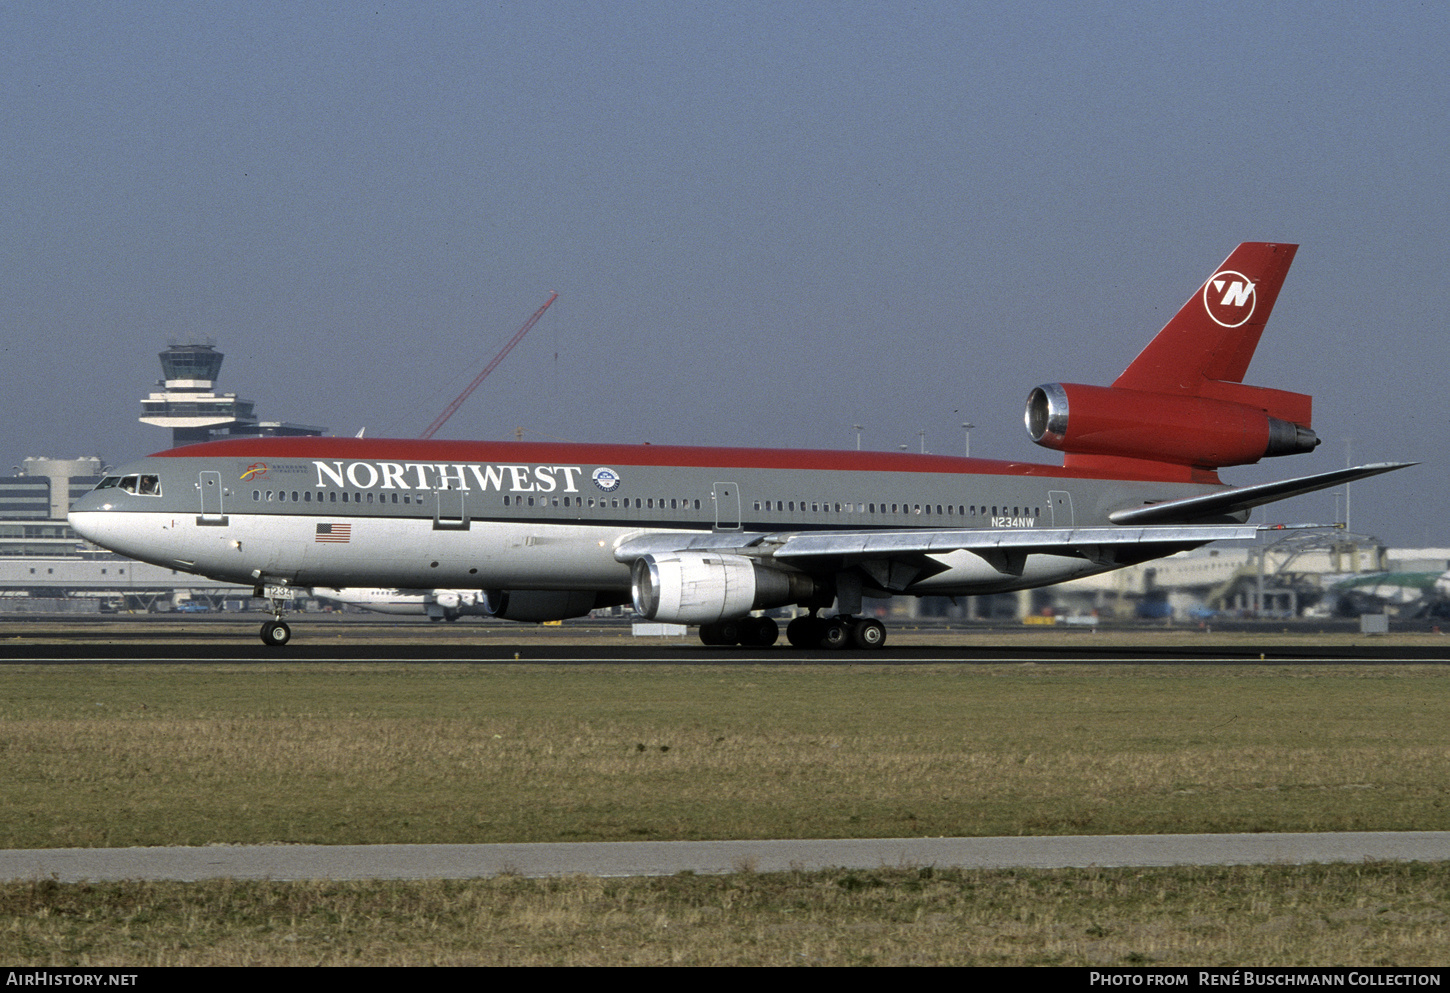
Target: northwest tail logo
(1229, 298)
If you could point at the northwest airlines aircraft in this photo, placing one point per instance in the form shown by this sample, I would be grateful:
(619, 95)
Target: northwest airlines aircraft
(709, 535)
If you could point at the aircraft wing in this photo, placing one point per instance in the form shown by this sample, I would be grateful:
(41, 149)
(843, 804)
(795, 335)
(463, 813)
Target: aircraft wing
(1005, 549)
(1241, 498)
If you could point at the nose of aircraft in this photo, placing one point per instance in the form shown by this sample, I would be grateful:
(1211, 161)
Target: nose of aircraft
(93, 517)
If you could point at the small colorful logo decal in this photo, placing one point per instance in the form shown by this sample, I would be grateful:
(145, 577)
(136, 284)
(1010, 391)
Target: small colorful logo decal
(1229, 298)
(606, 479)
(255, 469)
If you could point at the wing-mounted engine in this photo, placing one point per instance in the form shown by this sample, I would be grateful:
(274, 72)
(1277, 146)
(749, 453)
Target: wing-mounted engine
(701, 587)
(1198, 431)
(538, 606)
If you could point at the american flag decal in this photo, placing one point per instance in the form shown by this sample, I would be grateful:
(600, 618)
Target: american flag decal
(334, 532)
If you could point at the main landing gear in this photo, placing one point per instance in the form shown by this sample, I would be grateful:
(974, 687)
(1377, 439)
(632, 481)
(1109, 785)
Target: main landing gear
(838, 632)
(749, 632)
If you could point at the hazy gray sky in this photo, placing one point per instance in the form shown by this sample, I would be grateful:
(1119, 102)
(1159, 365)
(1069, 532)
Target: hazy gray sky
(767, 222)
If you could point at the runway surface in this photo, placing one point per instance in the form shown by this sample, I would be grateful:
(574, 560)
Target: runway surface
(169, 639)
(663, 858)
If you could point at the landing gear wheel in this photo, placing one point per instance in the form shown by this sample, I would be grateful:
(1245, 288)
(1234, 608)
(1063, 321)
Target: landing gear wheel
(837, 633)
(804, 632)
(758, 632)
(276, 634)
(715, 635)
(869, 633)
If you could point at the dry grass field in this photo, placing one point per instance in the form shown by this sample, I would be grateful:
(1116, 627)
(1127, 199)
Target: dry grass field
(339, 753)
(1311, 915)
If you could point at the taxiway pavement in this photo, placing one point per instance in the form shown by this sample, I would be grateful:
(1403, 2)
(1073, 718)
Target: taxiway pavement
(662, 858)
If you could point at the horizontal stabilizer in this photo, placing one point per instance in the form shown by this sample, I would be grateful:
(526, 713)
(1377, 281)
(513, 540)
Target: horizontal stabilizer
(1241, 498)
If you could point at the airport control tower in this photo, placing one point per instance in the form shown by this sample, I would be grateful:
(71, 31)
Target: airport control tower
(188, 405)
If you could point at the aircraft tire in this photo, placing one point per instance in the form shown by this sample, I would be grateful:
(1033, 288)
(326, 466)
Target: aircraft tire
(719, 633)
(276, 634)
(804, 632)
(836, 634)
(759, 632)
(869, 633)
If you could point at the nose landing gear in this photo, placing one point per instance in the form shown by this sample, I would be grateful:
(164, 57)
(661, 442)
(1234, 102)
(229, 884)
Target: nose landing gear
(275, 633)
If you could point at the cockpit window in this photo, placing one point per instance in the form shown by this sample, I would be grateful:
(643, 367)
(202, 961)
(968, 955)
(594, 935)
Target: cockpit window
(110, 482)
(143, 485)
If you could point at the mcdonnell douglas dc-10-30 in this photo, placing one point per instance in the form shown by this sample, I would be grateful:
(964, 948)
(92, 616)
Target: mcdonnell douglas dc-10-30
(710, 536)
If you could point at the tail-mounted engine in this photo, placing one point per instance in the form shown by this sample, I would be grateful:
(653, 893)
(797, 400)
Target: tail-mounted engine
(703, 587)
(1198, 431)
(1183, 403)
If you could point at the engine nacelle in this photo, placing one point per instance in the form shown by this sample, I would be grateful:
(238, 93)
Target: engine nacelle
(538, 605)
(704, 587)
(1160, 427)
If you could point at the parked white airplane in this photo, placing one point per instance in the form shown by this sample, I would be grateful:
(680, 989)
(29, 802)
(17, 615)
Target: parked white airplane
(439, 605)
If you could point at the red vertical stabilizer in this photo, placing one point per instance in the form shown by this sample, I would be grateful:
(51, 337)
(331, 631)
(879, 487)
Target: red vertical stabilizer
(1206, 348)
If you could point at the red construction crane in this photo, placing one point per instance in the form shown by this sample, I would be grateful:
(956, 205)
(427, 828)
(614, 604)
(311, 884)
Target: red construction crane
(518, 337)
